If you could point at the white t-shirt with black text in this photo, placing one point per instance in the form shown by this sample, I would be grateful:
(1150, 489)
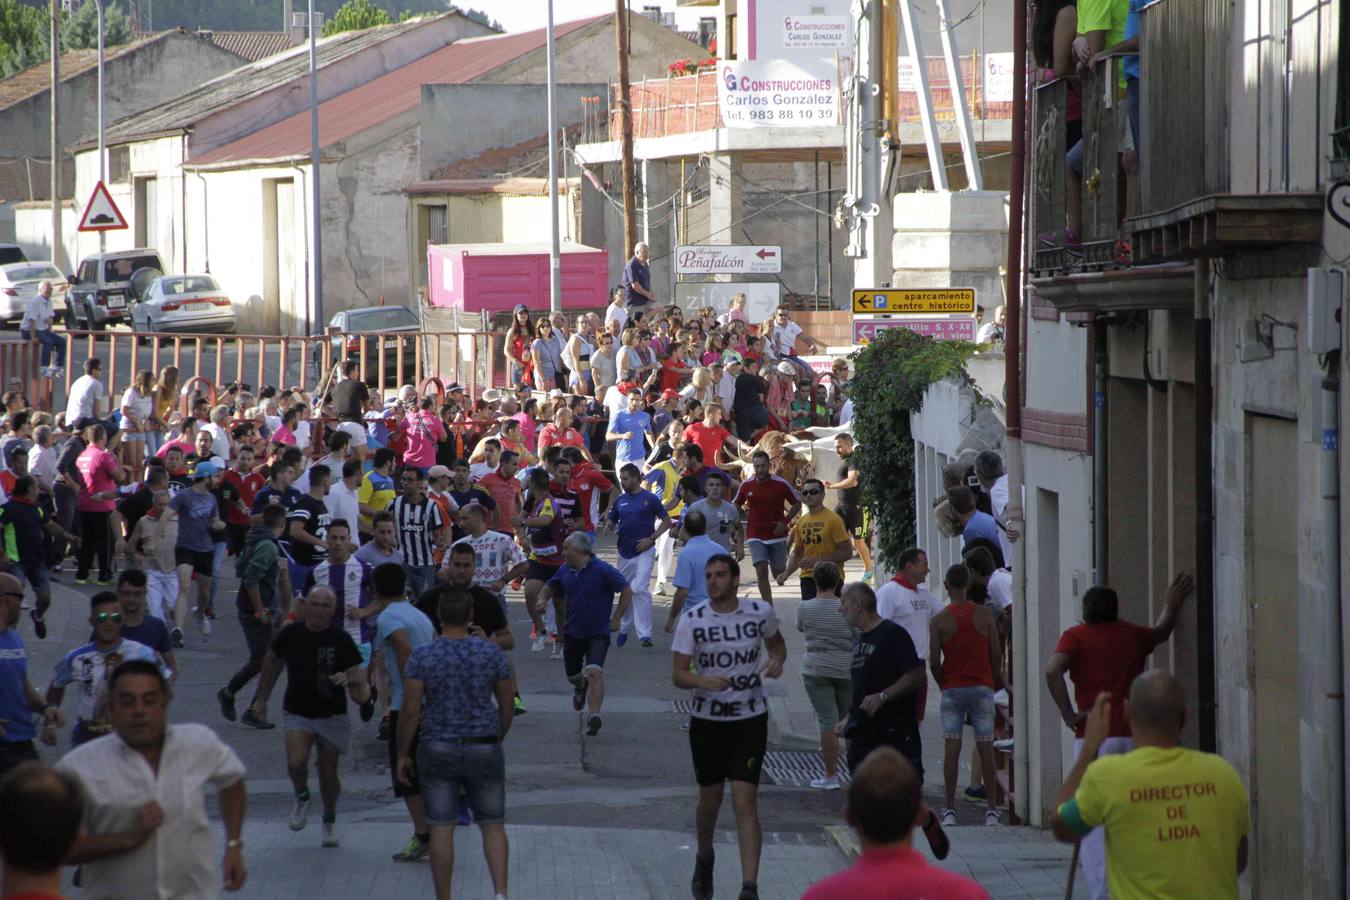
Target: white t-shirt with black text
(911, 609)
(729, 645)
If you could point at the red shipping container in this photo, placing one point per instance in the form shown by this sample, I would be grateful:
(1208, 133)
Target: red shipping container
(495, 277)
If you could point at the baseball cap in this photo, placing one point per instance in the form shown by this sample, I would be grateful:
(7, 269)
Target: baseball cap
(786, 368)
(519, 307)
(454, 387)
(205, 470)
(669, 394)
(624, 387)
(438, 472)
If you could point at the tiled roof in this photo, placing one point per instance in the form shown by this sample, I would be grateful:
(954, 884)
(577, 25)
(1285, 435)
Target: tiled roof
(37, 79)
(251, 45)
(387, 97)
(514, 187)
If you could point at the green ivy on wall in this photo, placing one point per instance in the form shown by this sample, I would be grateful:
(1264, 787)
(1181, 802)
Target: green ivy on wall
(890, 376)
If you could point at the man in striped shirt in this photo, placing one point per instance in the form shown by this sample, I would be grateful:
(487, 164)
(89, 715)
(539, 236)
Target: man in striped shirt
(421, 529)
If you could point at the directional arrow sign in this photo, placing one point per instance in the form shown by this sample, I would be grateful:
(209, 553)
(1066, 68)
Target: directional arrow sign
(728, 259)
(920, 301)
(102, 213)
(942, 328)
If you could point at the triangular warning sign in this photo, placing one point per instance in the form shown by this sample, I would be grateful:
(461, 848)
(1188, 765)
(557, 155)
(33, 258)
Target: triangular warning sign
(102, 213)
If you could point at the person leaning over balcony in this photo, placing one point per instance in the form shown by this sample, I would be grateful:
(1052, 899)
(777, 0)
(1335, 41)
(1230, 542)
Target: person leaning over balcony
(1101, 24)
(1130, 67)
(1052, 34)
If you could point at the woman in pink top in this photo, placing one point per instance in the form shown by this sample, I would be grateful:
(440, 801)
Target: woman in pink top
(101, 474)
(424, 429)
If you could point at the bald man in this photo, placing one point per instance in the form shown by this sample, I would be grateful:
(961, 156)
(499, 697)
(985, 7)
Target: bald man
(321, 660)
(1176, 820)
(18, 700)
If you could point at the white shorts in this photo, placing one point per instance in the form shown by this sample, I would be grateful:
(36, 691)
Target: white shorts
(356, 430)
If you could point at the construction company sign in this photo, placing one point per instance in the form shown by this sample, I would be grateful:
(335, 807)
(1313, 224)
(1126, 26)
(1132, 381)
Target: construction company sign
(728, 259)
(815, 33)
(777, 93)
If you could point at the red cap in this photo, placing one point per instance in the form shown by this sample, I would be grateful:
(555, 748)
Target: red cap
(623, 387)
(669, 394)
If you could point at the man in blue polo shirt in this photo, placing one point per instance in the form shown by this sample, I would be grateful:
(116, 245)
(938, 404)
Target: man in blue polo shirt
(583, 592)
(630, 429)
(637, 512)
(637, 281)
(691, 585)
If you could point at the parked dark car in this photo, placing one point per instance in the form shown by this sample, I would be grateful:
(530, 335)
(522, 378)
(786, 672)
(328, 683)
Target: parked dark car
(371, 326)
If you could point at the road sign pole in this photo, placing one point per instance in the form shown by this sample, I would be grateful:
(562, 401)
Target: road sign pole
(102, 173)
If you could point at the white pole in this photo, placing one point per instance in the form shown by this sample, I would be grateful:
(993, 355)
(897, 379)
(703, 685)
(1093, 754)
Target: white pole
(102, 235)
(930, 136)
(316, 223)
(947, 35)
(554, 258)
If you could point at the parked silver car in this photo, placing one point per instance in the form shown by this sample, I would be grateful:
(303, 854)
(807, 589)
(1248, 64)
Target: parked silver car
(19, 283)
(183, 303)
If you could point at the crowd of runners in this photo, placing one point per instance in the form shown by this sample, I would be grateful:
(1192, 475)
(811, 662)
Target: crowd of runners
(373, 541)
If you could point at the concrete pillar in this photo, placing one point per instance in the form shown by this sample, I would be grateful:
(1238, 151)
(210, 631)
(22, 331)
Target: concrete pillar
(952, 239)
(656, 225)
(725, 211)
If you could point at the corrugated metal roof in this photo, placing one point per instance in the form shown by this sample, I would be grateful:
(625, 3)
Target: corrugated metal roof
(37, 79)
(251, 45)
(250, 80)
(387, 97)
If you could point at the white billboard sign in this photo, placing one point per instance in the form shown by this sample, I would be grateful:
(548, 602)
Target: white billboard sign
(728, 259)
(761, 297)
(815, 33)
(776, 93)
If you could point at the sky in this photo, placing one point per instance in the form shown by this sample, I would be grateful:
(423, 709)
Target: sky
(522, 15)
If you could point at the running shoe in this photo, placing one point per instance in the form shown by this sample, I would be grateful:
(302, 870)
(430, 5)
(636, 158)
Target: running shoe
(330, 838)
(593, 726)
(623, 638)
(647, 643)
(210, 612)
(538, 642)
(299, 812)
(868, 577)
(579, 696)
(948, 818)
(515, 585)
(105, 582)
(520, 706)
(204, 626)
(39, 624)
(251, 718)
(177, 637)
(660, 588)
(226, 704)
(416, 850)
(557, 651)
(828, 783)
(368, 707)
(749, 891)
(702, 885)
(974, 792)
(937, 838)
(81, 581)
(382, 732)
(991, 818)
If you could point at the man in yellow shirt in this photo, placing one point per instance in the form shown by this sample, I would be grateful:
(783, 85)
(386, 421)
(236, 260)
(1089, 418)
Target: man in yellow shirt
(819, 535)
(1176, 820)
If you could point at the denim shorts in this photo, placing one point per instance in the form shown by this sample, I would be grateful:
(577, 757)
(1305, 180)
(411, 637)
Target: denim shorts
(977, 703)
(33, 572)
(584, 651)
(445, 769)
(774, 554)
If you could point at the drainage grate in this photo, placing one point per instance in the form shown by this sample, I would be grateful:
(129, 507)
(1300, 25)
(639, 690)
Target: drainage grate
(796, 768)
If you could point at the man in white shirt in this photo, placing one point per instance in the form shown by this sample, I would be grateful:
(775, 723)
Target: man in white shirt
(784, 336)
(86, 396)
(37, 323)
(905, 600)
(617, 311)
(218, 428)
(341, 498)
(338, 442)
(725, 385)
(146, 832)
(42, 458)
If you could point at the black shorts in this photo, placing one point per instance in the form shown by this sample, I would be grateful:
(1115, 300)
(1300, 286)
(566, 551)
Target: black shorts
(904, 739)
(539, 571)
(401, 789)
(587, 651)
(202, 561)
(728, 751)
(853, 518)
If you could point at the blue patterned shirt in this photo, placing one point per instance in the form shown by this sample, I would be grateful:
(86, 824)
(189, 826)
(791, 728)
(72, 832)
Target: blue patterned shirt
(460, 679)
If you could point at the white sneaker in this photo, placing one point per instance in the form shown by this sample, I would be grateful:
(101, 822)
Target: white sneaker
(539, 643)
(204, 626)
(557, 651)
(948, 818)
(660, 588)
(991, 818)
(330, 838)
(826, 784)
(300, 814)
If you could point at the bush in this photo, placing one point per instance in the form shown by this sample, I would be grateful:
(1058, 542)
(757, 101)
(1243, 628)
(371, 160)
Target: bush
(890, 376)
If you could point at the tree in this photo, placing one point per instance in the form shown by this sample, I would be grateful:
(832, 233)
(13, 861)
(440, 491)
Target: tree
(80, 29)
(356, 15)
(23, 37)
(482, 18)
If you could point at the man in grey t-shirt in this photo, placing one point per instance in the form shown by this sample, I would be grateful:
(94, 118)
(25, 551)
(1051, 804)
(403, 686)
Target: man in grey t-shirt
(724, 519)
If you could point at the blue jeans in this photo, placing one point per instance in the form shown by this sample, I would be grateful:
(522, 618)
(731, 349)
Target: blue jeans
(447, 769)
(977, 703)
(50, 344)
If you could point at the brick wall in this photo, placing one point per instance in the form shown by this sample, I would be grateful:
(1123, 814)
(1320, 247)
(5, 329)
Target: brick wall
(833, 328)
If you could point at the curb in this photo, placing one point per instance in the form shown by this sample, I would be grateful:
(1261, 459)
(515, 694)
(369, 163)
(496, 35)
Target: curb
(842, 838)
(781, 733)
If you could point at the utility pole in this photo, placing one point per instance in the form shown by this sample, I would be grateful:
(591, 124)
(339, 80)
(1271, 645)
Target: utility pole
(316, 224)
(57, 242)
(625, 127)
(554, 253)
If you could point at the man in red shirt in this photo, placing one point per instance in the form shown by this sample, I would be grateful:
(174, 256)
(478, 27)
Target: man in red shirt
(883, 806)
(588, 483)
(965, 654)
(247, 483)
(709, 435)
(771, 505)
(504, 487)
(1105, 655)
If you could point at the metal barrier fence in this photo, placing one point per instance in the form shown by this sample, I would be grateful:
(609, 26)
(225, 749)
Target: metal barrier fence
(473, 359)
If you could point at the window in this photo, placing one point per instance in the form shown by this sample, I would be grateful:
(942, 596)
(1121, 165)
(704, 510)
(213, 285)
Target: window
(88, 272)
(122, 269)
(381, 318)
(731, 38)
(119, 164)
(1340, 140)
(438, 225)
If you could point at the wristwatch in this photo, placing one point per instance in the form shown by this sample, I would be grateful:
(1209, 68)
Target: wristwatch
(883, 696)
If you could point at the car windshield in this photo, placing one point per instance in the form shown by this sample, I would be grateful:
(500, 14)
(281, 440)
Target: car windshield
(191, 284)
(38, 272)
(121, 269)
(381, 318)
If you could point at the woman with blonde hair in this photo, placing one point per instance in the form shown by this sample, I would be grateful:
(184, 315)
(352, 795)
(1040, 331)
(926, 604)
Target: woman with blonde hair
(701, 387)
(737, 312)
(138, 404)
(629, 358)
(165, 394)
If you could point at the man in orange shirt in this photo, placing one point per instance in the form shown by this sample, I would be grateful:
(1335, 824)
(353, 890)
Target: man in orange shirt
(503, 486)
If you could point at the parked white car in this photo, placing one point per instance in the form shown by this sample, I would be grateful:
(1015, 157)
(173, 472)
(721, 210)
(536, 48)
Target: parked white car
(183, 303)
(19, 283)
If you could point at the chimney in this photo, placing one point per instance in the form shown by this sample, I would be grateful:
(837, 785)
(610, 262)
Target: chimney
(299, 33)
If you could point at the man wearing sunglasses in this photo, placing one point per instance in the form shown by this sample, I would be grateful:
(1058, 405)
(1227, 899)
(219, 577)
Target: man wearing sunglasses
(89, 667)
(818, 536)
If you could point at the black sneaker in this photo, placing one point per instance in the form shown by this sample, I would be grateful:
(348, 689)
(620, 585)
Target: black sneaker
(226, 704)
(176, 635)
(579, 696)
(39, 624)
(702, 885)
(368, 707)
(382, 733)
(749, 891)
(250, 718)
(974, 792)
(937, 838)
(647, 643)
(593, 726)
